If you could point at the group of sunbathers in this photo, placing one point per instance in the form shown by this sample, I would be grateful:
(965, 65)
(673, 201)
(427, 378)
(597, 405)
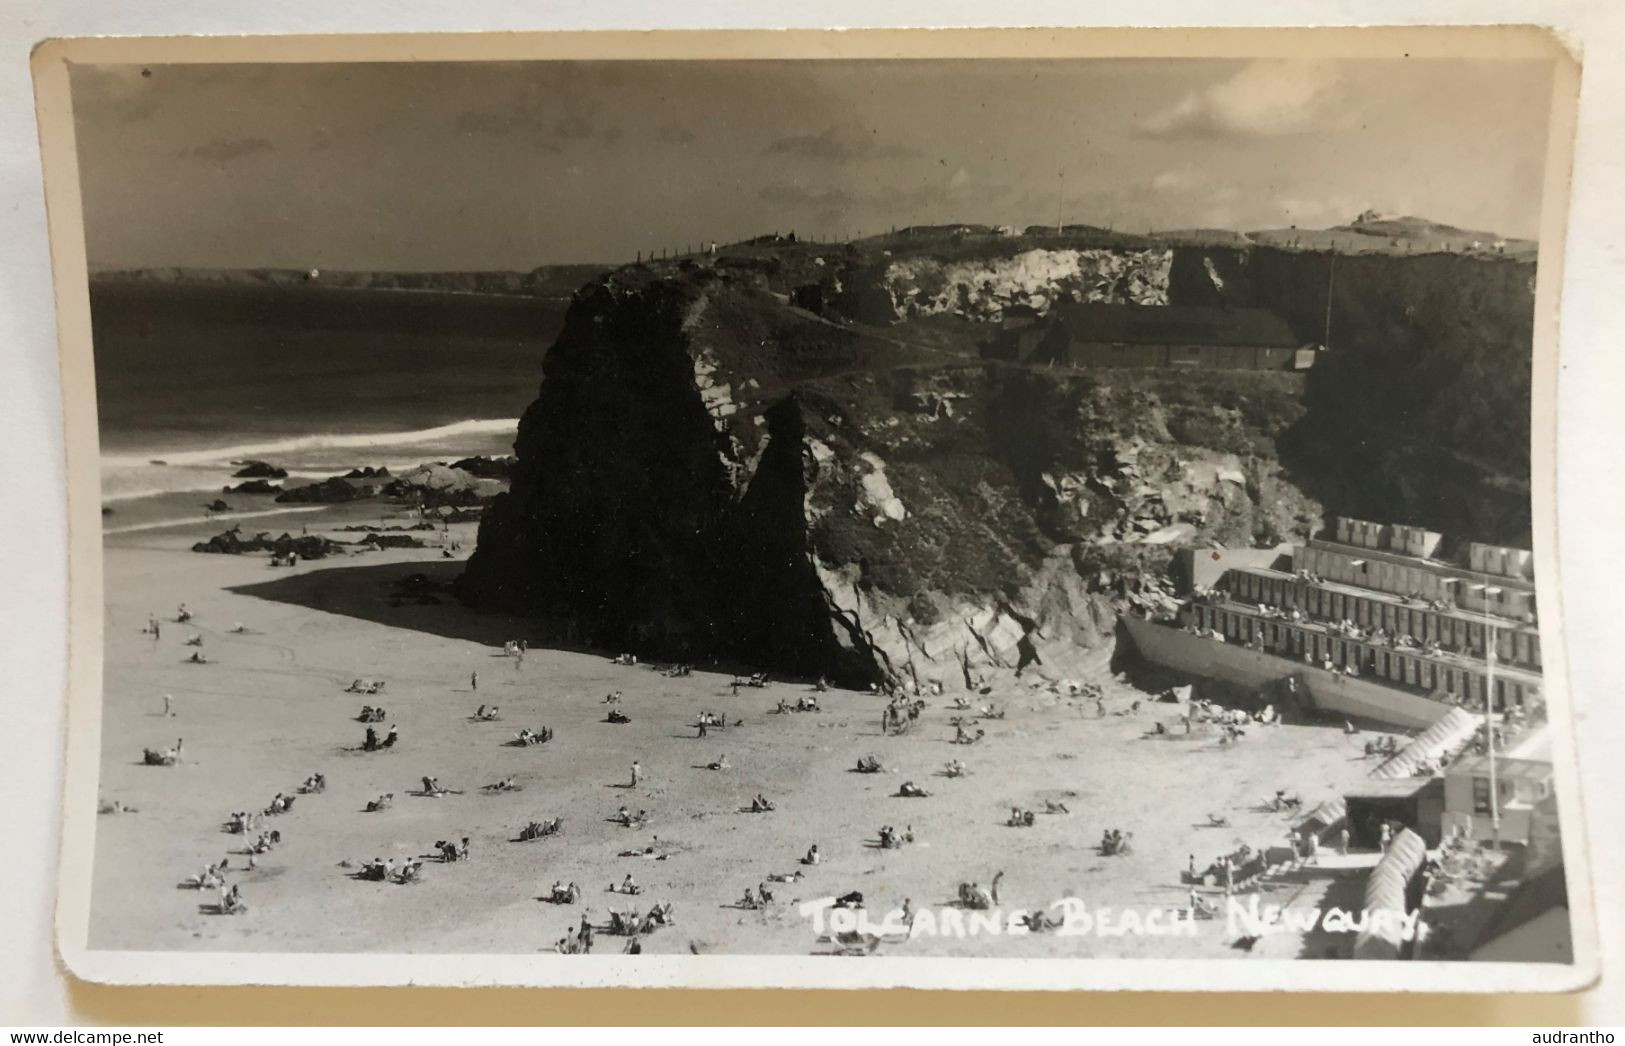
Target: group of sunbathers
(761, 898)
(1114, 841)
(315, 784)
(540, 829)
(486, 714)
(372, 744)
(561, 894)
(626, 819)
(527, 737)
(433, 789)
(450, 852)
(212, 877)
(1281, 801)
(760, 804)
(1387, 745)
(370, 714)
(365, 686)
(892, 839)
(231, 901)
(899, 715)
(380, 870)
(383, 802)
(974, 895)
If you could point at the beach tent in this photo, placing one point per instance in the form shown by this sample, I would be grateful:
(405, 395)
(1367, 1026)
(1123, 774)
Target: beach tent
(1389, 890)
(1451, 730)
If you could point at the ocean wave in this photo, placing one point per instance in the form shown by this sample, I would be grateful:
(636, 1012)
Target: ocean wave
(190, 521)
(308, 459)
(330, 441)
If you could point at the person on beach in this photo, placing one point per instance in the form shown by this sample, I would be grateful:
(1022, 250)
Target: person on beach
(637, 773)
(167, 710)
(391, 737)
(473, 680)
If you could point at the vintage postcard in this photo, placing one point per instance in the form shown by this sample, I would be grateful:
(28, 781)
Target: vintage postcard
(1014, 509)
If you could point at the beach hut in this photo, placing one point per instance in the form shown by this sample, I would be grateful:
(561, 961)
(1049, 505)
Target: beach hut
(1393, 889)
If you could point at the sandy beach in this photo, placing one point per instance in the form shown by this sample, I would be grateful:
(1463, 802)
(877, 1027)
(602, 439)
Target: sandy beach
(269, 708)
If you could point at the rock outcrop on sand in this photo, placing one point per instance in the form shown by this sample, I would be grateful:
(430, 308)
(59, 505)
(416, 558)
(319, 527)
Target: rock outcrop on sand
(259, 470)
(483, 467)
(711, 469)
(233, 543)
(253, 486)
(332, 491)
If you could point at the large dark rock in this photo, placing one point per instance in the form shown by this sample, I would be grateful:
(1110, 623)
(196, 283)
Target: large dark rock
(708, 471)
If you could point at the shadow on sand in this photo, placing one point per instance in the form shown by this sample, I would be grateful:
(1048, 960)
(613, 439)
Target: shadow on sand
(373, 593)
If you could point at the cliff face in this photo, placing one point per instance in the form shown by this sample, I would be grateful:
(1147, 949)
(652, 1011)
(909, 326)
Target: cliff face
(706, 471)
(709, 471)
(1421, 407)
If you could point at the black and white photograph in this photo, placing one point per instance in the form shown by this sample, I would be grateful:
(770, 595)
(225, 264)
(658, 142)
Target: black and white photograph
(857, 514)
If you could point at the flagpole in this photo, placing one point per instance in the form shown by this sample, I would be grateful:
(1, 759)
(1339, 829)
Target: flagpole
(1489, 718)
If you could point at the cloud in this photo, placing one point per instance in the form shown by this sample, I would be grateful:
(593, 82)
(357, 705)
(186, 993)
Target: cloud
(840, 143)
(227, 149)
(1267, 97)
(958, 188)
(1175, 181)
(783, 194)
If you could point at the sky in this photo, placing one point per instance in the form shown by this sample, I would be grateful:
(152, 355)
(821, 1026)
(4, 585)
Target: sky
(421, 166)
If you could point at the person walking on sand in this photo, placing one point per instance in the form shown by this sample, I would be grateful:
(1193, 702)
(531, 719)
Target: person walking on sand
(637, 773)
(168, 712)
(473, 680)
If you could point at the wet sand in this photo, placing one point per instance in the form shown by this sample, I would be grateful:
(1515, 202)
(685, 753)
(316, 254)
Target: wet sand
(270, 709)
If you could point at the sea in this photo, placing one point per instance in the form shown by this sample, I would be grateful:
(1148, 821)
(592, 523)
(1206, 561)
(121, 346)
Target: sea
(194, 379)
